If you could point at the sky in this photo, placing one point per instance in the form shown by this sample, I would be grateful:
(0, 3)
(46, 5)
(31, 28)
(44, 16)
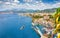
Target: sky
(28, 4)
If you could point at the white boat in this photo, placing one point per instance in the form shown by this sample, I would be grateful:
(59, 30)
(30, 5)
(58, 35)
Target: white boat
(22, 27)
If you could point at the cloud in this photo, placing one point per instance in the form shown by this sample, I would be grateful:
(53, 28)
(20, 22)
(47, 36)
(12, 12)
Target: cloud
(56, 5)
(16, 1)
(36, 6)
(27, 0)
(0, 1)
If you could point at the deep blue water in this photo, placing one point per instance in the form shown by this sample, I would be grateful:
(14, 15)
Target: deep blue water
(10, 26)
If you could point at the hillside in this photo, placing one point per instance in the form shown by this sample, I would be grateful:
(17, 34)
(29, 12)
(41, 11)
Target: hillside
(30, 11)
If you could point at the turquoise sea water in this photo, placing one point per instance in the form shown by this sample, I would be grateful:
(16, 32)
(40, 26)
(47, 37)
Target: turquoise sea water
(10, 26)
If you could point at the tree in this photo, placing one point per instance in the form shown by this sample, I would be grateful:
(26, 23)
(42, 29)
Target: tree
(56, 15)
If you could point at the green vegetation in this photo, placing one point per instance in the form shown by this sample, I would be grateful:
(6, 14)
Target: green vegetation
(56, 16)
(56, 13)
(58, 10)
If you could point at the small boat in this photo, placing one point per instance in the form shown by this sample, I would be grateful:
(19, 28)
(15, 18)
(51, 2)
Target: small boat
(22, 27)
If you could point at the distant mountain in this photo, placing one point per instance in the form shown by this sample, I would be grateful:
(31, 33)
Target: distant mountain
(48, 10)
(30, 11)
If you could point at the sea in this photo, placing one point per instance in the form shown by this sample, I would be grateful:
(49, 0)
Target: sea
(15, 26)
